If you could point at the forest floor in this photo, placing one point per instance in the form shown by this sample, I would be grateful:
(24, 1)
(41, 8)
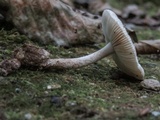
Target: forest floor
(98, 91)
(95, 92)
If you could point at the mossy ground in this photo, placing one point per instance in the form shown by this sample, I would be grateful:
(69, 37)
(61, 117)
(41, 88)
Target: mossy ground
(95, 92)
(98, 91)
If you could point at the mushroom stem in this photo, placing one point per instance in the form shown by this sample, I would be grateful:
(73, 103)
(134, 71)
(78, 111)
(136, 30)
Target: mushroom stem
(79, 62)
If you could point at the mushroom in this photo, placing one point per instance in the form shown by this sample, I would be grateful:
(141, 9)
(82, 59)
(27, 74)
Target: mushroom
(124, 51)
(119, 44)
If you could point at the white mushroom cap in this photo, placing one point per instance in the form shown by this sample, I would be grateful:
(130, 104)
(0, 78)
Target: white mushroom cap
(124, 51)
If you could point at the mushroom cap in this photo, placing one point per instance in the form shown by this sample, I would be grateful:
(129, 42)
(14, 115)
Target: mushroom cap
(124, 51)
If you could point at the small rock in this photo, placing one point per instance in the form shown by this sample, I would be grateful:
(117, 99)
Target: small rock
(46, 92)
(151, 84)
(53, 86)
(57, 101)
(28, 116)
(71, 103)
(155, 113)
(144, 96)
(92, 84)
(49, 87)
(17, 90)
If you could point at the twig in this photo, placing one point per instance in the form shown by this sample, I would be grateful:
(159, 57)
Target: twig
(148, 47)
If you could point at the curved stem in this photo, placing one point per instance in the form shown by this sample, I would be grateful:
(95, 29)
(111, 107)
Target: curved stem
(81, 61)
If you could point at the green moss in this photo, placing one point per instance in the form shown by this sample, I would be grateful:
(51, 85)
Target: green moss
(98, 91)
(148, 34)
(121, 3)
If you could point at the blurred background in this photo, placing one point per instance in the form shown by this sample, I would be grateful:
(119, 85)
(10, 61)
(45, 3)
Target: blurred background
(144, 13)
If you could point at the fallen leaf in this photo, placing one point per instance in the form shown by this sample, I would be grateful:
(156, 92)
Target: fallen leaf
(132, 11)
(148, 47)
(147, 21)
(144, 111)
